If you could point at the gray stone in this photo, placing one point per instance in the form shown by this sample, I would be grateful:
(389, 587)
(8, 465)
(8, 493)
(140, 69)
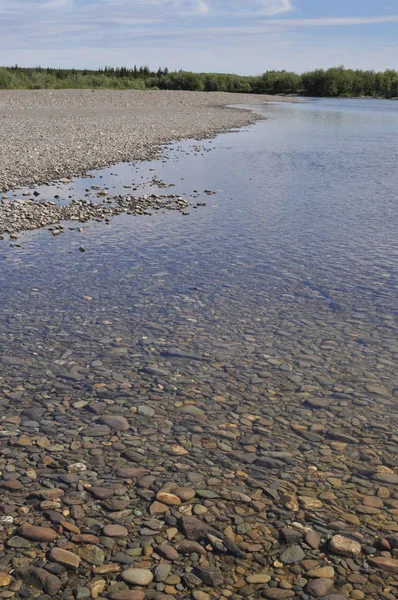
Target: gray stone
(137, 576)
(81, 593)
(278, 594)
(115, 422)
(210, 576)
(18, 542)
(195, 529)
(145, 410)
(292, 555)
(161, 571)
(319, 587)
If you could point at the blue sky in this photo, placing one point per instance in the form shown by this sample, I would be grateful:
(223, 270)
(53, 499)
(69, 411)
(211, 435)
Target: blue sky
(242, 36)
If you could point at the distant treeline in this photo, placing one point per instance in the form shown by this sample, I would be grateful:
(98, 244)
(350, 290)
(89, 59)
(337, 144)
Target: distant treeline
(337, 81)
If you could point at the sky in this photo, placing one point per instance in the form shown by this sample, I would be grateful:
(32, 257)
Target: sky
(236, 36)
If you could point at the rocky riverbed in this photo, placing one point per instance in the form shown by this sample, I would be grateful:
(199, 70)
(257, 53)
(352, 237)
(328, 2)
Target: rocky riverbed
(128, 482)
(50, 134)
(176, 425)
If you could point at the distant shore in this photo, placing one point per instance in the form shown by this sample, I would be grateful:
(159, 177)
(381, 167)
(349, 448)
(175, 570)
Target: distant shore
(51, 134)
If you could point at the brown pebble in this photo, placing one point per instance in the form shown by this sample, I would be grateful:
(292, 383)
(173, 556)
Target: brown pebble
(65, 558)
(37, 534)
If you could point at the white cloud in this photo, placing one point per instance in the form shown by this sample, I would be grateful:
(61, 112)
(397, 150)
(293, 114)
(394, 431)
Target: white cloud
(239, 8)
(235, 35)
(274, 7)
(336, 21)
(20, 9)
(202, 7)
(185, 8)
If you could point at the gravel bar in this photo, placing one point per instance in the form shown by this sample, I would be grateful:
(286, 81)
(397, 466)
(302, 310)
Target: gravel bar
(49, 134)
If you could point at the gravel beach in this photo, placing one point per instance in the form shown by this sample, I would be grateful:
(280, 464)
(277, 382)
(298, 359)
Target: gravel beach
(49, 134)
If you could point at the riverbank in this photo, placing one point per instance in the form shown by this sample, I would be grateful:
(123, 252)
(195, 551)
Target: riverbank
(50, 134)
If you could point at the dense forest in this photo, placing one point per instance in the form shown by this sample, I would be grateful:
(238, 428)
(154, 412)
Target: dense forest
(334, 82)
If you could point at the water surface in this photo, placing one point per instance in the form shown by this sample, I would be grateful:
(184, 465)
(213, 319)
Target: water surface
(290, 272)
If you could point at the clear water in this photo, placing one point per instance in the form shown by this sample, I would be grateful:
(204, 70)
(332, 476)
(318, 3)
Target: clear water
(289, 275)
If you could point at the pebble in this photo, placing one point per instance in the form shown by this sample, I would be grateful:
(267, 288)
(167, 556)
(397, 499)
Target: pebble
(168, 499)
(168, 552)
(65, 558)
(91, 554)
(344, 546)
(5, 579)
(278, 594)
(210, 576)
(37, 534)
(127, 595)
(385, 563)
(117, 531)
(137, 576)
(321, 572)
(161, 571)
(319, 587)
(291, 555)
(258, 578)
(197, 595)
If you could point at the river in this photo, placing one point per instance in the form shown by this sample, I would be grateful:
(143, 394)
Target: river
(252, 344)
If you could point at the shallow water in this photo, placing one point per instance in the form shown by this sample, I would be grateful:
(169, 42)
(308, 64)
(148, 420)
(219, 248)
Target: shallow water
(296, 253)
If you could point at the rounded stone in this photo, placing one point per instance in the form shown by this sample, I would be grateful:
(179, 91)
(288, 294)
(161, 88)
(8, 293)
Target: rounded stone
(158, 508)
(258, 578)
(313, 539)
(93, 555)
(97, 431)
(198, 595)
(37, 534)
(65, 558)
(185, 494)
(137, 576)
(291, 555)
(5, 579)
(115, 422)
(117, 531)
(161, 571)
(278, 594)
(167, 552)
(321, 572)
(344, 546)
(168, 499)
(127, 595)
(82, 593)
(385, 563)
(319, 587)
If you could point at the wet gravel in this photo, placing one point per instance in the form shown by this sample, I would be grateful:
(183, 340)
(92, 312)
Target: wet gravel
(49, 134)
(123, 479)
(25, 215)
